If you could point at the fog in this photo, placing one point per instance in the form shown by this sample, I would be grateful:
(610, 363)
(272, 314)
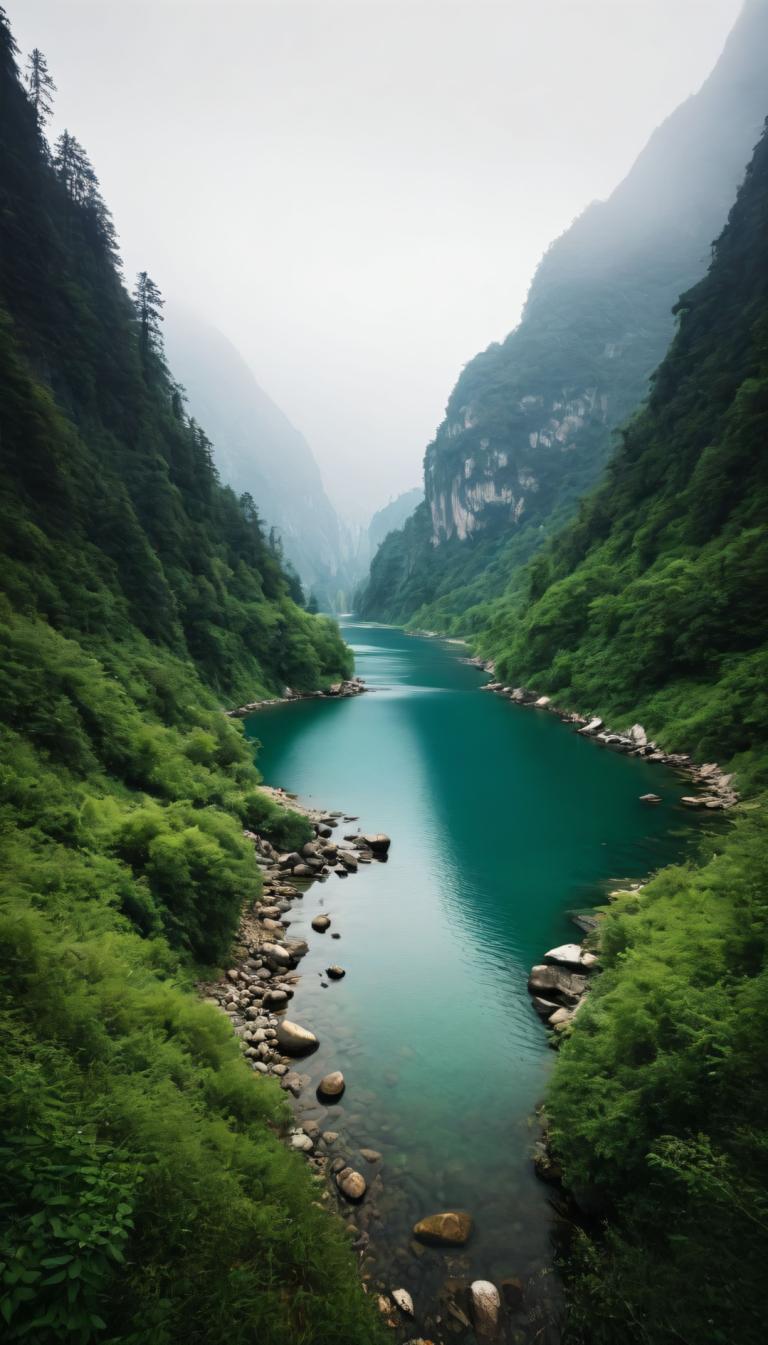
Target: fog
(356, 192)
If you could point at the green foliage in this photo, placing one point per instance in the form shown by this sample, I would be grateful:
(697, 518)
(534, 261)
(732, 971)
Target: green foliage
(146, 1194)
(659, 1107)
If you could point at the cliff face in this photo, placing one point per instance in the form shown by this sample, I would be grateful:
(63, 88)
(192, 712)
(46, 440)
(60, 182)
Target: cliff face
(529, 425)
(529, 422)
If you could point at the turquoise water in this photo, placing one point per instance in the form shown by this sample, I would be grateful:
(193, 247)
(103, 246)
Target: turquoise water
(502, 820)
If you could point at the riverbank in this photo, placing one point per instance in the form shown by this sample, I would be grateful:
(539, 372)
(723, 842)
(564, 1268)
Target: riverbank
(351, 686)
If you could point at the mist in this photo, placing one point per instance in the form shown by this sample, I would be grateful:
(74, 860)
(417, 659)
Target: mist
(357, 194)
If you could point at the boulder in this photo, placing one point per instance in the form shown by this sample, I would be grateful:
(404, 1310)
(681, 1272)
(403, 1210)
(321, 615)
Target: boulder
(276, 953)
(566, 955)
(297, 948)
(351, 1184)
(404, 1301)
(486, 1309)
(277, 999)
(541, 704)
(321, 923)
(650, 798)
(332, 1085)
(561, 1018)
(295, 1039)
(638, 735)
(556, 983)
(301, 1142)
(544, 1007)
(378, 843)
(451, 1228)
(335, 973)
(287, 861)
(371, 1155)
(593, 726)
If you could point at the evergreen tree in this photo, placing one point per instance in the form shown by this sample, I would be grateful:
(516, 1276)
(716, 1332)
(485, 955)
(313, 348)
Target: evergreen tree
(149, 303)
(40, 87)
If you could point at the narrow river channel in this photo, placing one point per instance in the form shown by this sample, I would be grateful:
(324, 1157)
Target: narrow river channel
(502, 821)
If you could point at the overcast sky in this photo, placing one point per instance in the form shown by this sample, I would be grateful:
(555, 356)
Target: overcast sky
(357, 191)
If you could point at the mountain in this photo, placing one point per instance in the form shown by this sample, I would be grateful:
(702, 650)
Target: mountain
(653, 605)
(392, 516)
(257, 450)
(530, 424)
(147, 1194)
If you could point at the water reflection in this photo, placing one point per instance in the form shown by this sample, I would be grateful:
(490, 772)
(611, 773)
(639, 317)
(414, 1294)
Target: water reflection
(501, 821)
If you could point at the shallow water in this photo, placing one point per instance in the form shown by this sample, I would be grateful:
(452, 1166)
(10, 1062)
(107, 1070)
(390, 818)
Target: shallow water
(502, 820)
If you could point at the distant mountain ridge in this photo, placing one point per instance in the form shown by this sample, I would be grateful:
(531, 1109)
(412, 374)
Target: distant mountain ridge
(257, 450)
(529, 425)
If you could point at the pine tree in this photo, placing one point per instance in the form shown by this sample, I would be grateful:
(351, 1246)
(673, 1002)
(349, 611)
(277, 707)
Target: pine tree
(40, 87)
(148, 302)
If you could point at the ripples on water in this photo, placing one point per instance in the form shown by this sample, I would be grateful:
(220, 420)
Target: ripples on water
(502, 820)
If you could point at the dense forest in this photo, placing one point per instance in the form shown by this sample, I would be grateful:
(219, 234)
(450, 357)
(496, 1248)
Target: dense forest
(146, 1192)
(652, 605)
(532, 420)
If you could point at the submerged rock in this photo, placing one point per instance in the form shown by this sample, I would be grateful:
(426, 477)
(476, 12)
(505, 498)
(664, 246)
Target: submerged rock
(486, 1309)
(449, 1229)
(351, 1184)
(404, 1301)
(650, 798)
(332, 1085)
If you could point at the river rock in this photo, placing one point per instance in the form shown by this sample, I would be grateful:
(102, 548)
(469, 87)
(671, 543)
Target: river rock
(276, 953)
(449, 1229)
(404, 1301)
(556, 983)
(332, 1085)
(297, 948)
(694, 801)
(351, 1184)
(321, 923)
(288, 861)
(335, 973)
(371, 1155)
(566, 955)
(650, 798)
(486, 1309)
(295, 1039)
(301, 1142)
(593, 726)
(378, 843)
(277, 999)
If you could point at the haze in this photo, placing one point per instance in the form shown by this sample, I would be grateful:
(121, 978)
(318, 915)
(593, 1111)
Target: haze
(356, 192)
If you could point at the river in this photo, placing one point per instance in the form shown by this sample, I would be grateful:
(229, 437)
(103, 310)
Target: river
(502, 820)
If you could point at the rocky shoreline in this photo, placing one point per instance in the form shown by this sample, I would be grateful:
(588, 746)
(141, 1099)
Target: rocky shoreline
(718, 786)
(352, 686)
(559, 985)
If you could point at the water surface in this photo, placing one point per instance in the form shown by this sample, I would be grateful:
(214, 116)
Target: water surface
(502, 820)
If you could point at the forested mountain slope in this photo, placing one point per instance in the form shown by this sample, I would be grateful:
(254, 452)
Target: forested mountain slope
(146, 1195)
(257, 449)
(653, 605)
(529, 425)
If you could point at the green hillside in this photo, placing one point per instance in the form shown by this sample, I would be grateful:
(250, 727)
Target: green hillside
(653, 606)
(146, 1194)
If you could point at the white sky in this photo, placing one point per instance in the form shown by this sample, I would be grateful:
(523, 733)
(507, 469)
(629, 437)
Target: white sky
(357, 191)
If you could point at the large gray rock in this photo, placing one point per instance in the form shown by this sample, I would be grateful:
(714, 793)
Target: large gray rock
(570, 955)
(277, 954)
(295, 1039)
(556, 983)
(379, 843)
